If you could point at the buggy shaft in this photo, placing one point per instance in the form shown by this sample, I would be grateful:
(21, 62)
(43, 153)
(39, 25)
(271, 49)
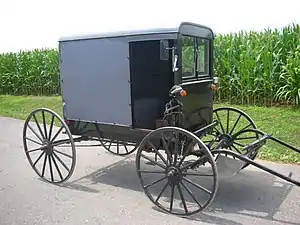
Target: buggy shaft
(267, 136)
(245, 159)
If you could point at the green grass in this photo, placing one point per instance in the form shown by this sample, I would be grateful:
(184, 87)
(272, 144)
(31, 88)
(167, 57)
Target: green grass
(282, 122)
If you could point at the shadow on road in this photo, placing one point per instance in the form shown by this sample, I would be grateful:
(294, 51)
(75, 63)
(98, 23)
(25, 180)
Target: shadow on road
(250, 193)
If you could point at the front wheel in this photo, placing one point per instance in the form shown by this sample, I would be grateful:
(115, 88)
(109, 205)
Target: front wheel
(179, 175)
(232, 123)
(49, 146)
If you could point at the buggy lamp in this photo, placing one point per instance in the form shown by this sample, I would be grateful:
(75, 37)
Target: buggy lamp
(183, 93)
(213, 87)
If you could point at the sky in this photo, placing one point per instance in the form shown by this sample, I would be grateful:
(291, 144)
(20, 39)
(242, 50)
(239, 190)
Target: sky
(28, 24)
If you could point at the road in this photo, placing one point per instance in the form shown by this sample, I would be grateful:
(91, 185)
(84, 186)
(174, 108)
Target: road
(104, 189)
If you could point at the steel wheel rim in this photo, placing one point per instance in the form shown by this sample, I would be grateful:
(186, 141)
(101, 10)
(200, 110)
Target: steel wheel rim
(180, 186)
(51, 161)
(224, 130)
(120, 145)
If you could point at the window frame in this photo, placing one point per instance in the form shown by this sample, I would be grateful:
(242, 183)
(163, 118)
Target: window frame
(197, 75)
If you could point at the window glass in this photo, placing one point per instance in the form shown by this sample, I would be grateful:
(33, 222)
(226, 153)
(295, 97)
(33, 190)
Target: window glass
(188, 56)
(195, 57)
(202, 57)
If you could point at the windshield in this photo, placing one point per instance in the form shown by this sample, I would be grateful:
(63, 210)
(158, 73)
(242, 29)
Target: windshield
(195, 57)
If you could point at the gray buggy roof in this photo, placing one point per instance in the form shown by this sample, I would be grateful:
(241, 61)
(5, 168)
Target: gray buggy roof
(184, 27)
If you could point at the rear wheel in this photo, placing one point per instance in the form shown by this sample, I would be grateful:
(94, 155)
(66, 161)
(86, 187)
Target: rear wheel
(177, 180)
(118, 147)
(49, 149)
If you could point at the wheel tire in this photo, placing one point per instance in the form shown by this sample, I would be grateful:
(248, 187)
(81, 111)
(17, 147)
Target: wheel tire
(175, 172)
(48, 146)
(226, 132)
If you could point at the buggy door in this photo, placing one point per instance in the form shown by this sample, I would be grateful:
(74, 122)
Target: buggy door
(151, 79)
(196, 78)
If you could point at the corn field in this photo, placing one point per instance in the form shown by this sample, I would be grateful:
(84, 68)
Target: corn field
(261, 68)
(30, 72)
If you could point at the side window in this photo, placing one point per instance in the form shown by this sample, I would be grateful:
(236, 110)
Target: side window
(202, 57)
(188, 57)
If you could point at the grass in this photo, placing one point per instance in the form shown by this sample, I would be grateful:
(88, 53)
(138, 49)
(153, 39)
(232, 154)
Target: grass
(282, 122)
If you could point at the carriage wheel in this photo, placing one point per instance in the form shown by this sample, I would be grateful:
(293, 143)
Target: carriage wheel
(45, 145)
(232, 121)
(118, 147)
(178, 182)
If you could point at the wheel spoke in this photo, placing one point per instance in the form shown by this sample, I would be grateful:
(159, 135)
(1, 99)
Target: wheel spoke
(155, 182)
(38, 159)
(218, 132)
(185, 154)
(191, 194)
(236, 122)
(57, 168)
(154, 162)
(125, 147)
(220, 122)
(118, 147)
(109, 145)
(182, 198)
(158, 153)
(239, 144)
(60, 142)
(62, 163)
(237, 149)
(36, 149)
(38, 125)
(44, 123)
(174, 174)
(46, 141)
(29, 139)
(227, 124)
(245, 127)
(50, 166)
(69, 156)
(197, 185)
(51, 127)
(162, 191)
(36, 134)
(193, 163)
(57, 133)
(44, 165)
(172, 197)
(166, 147)
(176, 147)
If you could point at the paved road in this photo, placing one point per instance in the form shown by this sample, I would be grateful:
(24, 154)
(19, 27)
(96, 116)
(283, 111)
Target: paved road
(104, 189)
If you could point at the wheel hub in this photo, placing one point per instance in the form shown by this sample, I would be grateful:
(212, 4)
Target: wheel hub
(227, 140)
(174, 175)
(47, 146)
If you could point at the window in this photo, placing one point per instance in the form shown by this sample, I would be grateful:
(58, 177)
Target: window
(202, 57)
(188, 57)
(195, 57)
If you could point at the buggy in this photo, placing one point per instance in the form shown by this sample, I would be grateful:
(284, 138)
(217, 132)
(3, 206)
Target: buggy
(150, 92)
